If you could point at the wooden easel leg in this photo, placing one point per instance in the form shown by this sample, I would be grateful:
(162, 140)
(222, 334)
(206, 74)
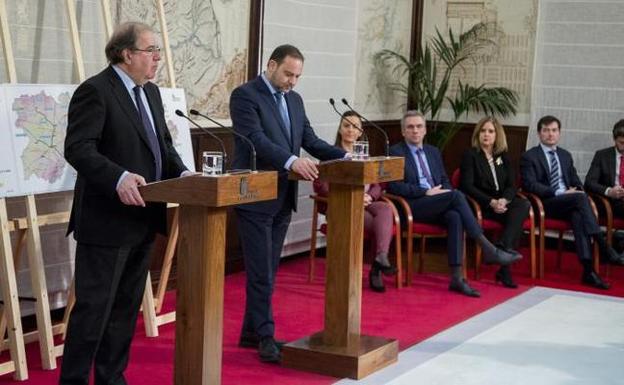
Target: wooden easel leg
(149, 310)
(172, 242)
(71, 301)
(8, 285)
(16, 258)
(39, 287)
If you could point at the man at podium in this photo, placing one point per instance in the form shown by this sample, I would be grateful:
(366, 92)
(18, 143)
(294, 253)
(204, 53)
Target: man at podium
(117, 140)
(272, 116)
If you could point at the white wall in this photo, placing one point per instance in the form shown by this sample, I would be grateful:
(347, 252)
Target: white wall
(579, 73)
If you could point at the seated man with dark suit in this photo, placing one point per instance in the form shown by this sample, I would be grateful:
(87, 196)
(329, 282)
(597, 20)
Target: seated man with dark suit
(548, 171)
(427, 189)
(606, 173)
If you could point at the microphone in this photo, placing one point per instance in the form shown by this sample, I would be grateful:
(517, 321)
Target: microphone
(180, 113)
(333, 104)
(387, 149)
(228, 129)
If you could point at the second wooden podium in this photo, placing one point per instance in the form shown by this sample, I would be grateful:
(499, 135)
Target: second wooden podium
(201, 263)
(340, 350)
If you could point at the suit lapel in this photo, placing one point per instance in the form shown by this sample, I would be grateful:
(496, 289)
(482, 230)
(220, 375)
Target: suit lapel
(544, 162)
(611, 165)
(564, 163)
(433, 165)
(158, 126)
(269, 100)
(411, 164)
(484, 168)
(127, 105)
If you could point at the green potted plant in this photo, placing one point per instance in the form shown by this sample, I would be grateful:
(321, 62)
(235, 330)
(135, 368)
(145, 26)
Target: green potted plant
(438, 65)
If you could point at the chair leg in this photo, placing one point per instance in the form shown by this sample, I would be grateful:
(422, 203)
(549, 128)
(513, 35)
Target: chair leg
(312, 253)
(559, 250)
(399, 256)
(410, 261)
(532, 248)
(541, 254)
(478, 261)
(421, 256)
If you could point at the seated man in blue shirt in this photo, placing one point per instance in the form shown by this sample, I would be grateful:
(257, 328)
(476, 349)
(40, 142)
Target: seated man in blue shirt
(548, 172)
(427, 189)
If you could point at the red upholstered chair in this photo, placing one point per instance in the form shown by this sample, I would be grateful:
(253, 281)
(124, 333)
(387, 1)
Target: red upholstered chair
(490, 225)
(608, 219)
(323, 229)
(558, 225)
(421, 231)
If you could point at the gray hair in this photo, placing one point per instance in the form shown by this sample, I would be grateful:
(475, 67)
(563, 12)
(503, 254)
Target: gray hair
(409, 114)
(125, 36)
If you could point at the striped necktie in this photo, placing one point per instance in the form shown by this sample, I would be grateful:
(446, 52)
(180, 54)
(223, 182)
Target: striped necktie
(554, 171)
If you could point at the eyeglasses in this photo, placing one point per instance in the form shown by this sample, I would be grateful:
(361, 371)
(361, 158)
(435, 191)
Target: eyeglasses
(150, 50)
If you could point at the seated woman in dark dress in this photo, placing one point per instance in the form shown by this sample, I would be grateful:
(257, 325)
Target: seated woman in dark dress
(487, 176)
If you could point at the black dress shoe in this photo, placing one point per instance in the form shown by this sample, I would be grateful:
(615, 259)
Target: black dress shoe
(268, 350)
(594, 280)
(386, 270)
(252, 341)
(462, 287)
(499, 256)
(503, 275)
(611, 256)
(375, 280)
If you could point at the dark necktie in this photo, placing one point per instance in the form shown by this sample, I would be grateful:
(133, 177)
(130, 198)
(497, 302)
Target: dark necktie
(621, 170)
(149, 131)
(554, 171)
(283, 109)
(420, 154)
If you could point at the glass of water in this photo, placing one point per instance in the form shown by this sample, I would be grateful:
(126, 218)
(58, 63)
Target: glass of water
(360, 150)
(212, 163)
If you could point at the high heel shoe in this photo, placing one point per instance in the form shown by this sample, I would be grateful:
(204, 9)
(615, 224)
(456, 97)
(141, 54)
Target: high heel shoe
(504, 277)
(375, 280)
(386, 270)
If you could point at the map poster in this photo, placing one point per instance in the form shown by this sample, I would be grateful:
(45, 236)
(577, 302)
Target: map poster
(8, 174)
(37, 120)
(174, 99)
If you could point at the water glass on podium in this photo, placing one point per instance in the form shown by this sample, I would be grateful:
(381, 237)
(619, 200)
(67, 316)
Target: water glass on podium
(360, 150)
(212, 163)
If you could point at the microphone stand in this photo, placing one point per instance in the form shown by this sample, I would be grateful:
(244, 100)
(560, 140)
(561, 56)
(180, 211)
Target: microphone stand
(228, 129)
(387, 145)
(180, 113)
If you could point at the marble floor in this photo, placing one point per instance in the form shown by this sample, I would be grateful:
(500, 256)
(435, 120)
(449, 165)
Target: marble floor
(541, 337)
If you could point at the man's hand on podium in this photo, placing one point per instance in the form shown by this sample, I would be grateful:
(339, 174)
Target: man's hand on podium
(306, 168)
(128, 191)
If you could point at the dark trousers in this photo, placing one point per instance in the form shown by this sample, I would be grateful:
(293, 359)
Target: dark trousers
(512, 220)
(262, 238)
(576, 209)
(618, 208)
(109, 286)
(452, 210)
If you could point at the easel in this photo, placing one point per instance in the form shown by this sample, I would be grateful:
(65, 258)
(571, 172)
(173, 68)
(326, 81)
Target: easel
(28, 228)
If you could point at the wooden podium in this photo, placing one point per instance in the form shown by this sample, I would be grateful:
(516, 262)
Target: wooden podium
(340, 350)
(201, 263)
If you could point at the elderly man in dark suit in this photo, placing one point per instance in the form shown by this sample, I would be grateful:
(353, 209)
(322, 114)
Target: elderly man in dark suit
(268, 112)
(427, 189)
(117, 140)
(548, 171)
(606, 173)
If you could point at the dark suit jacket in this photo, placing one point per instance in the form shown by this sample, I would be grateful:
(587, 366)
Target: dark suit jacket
(409, 187)
(601, 173)
(105, 137)
(478, 182)
(255, 114)
(536, 172)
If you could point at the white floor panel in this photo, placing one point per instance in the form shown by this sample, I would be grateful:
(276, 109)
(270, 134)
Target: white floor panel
(544, 336)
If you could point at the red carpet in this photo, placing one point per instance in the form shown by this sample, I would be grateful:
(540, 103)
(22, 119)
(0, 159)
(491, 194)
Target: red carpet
(410, 315)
